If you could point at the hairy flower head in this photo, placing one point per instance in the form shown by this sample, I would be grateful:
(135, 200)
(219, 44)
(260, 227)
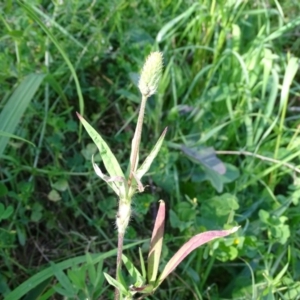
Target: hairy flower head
(151, 74)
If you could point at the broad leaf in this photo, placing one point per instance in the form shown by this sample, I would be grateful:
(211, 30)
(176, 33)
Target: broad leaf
(206, 157)
(156, 243)
(5, 213)
(195, 242)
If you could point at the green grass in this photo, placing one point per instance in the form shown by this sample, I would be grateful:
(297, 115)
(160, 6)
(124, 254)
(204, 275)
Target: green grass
(230, 82)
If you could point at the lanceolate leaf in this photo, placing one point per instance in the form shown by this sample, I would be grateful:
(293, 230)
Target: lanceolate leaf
(142, 170)
(111, 181)
(115, 283)
(142, 263)
(134, 273)
(110, 162)
(195, 242)
(156, 243)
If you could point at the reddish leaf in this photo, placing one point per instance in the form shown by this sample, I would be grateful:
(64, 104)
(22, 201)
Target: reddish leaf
(195, 242)
(156, 242)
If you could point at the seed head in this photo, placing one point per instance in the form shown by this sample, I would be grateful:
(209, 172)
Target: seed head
(151, 74)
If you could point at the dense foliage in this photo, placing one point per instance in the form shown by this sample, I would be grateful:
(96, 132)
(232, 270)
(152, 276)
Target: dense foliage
(229, 96)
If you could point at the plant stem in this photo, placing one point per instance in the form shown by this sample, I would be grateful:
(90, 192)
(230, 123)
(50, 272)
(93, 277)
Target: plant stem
(119, 261)
(136, 140)
(133, 162)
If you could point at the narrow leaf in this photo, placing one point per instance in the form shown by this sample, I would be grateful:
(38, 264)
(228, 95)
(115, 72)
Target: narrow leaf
(43, 275)
(33, 15)
(136, 276)
(110, 162)
(142, 170)
(115, 283)
(142, 262)
(91, 268)
(168, 28)
(12, 136)
(156, 242)
(16, 105)
(62, 278)
(109, 180)
(195, 242)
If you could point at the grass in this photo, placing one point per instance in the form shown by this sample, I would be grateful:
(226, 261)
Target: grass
(230, 82)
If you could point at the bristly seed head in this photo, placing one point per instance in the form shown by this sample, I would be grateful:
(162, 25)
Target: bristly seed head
(151, 74)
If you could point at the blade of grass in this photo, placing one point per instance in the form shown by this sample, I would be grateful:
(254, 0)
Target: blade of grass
(290, 72)
(32, 14)
(55, 24)
(40, 277)
(12, 136)
(16, 105)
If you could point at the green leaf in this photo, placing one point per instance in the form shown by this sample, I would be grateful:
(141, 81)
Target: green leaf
(77, 277)
(21, 235)
(31, 11)
(15, 107)
(67, 293)
(168, 29)
(115, 283)
(177, 223)
(40, 277)
(3, 189)
(61, 185)
(110, 162)
(142, 263)
(54, 196)
(91, 269)
(5, 213)
(206, 157)
(38, 290)
(143, 169)
(63, 279)
(100, 277)
(12, 136)
(136, 276)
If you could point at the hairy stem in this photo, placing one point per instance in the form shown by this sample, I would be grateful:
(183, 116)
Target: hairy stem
(119, 261)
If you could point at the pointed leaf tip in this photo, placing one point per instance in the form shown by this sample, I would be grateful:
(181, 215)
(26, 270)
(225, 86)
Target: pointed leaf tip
(156, 242)
(143, 169)
(78, 115)
(195, 242)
